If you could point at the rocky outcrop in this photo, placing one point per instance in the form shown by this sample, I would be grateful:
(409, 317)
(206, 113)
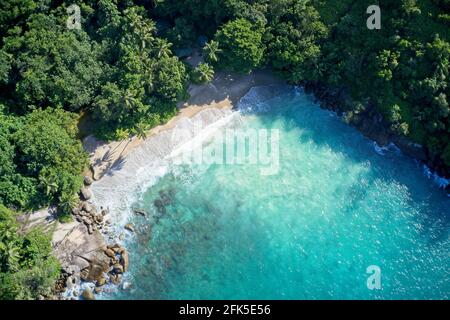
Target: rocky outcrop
(85, 193)
(88, 181)
(84, 256)
(124, 260)
(129, 227)
(81, 253)
(86, 213)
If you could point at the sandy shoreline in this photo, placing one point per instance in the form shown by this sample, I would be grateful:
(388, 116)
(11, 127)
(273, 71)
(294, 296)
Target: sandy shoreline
(224, 92)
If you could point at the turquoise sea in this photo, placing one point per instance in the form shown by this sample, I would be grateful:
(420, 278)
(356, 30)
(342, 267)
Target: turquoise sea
(336, 206)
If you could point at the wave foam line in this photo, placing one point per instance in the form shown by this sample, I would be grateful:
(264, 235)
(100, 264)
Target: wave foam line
(150, 161)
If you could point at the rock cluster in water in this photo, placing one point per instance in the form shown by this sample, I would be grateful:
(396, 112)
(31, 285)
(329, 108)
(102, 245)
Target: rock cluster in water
(84, 254)
(165, 198)
(85, 213)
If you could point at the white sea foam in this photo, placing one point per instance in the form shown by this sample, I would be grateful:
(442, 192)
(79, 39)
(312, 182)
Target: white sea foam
(258, 98)
(440, 181)
(150, 161)
(382, 150)
(197, 134)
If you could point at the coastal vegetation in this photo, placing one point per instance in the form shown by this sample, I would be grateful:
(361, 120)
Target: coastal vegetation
(28, 269)
(121, 70)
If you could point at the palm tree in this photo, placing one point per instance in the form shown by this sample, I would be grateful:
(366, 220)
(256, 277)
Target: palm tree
(149, 67)
(7, 232)
(141, 130)
(146, 34)
(67, 202)
(162, 48)
(9, 248)
(211, 50)
(122, 134)
(49, 185)
(12, 256)
(130, 100)
(143, 29)
(204, 73)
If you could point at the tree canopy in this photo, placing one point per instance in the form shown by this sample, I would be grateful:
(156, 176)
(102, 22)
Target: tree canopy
(27, 267)
(241, 45)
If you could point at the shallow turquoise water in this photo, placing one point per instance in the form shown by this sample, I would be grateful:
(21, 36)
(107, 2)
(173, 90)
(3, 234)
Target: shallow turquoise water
(309, 232)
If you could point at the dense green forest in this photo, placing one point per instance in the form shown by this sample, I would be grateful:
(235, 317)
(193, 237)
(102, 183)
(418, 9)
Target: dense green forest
(120, 69)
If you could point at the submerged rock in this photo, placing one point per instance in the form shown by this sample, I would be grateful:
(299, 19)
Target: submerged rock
(115, 278)
(129, 227)
(160, 206)
(140, 212)
(165, 198)
(118, 268)
(101, 281)
(124, 260)
(98, 290)
(88, 295)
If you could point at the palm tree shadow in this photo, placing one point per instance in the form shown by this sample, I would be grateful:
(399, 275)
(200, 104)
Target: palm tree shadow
(106, 157)
(116, 165)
